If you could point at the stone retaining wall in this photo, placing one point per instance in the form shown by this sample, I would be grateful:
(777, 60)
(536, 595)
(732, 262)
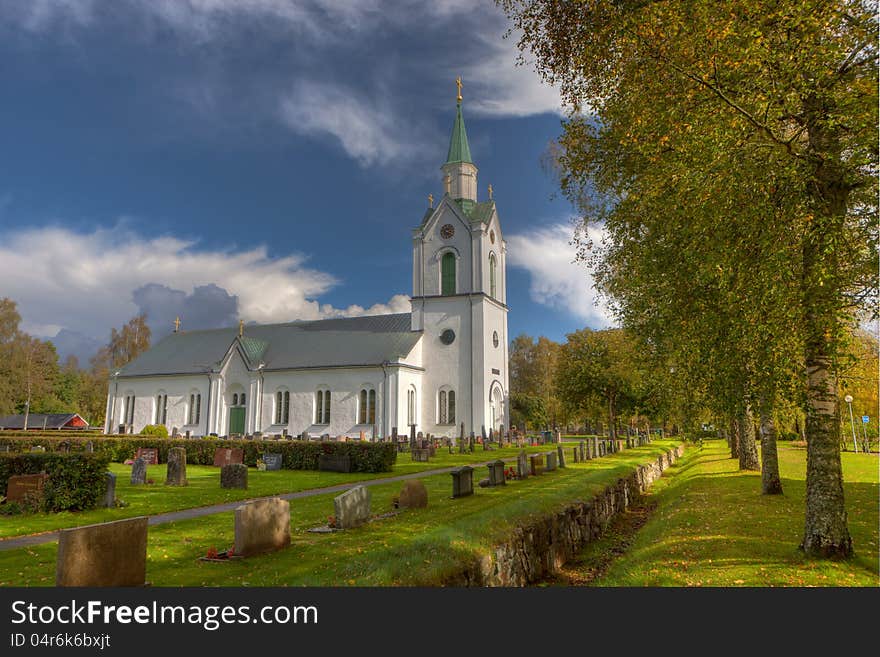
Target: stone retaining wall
(538, 549)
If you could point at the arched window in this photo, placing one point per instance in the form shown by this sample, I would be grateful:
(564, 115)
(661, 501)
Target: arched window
(195, 408)
(446, 407)
(282, 407)
(235, 399)
(241, 399)
(447, 274)
(367, 406)
(492, 275)
(322, 406)
(161, 408)
(411, 406)
(128, 410)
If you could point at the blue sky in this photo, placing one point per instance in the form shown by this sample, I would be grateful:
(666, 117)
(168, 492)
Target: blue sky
(261, 159)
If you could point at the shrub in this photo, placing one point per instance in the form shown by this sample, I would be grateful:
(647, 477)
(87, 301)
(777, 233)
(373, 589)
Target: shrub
(76, 481)
(155, 430)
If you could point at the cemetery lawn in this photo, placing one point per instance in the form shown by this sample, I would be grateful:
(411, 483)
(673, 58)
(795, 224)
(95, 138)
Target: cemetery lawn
(204, 489)
(416, 547)
(712, 527)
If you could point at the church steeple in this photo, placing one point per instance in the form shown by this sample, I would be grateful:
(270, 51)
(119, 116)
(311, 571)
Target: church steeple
(459, 167)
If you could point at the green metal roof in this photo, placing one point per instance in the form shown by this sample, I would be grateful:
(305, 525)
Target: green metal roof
(459, 151)
(476, 212)
(253, 348)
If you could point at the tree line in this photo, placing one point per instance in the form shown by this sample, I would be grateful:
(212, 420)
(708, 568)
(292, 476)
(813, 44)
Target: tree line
(729, 150)
(33, 381)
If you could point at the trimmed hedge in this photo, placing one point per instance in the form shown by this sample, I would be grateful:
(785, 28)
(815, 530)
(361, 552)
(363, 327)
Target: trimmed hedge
(295, 454)
(77, 480)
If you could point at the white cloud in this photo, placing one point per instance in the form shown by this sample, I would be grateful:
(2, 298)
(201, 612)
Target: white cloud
(557, 281)
(84, 282)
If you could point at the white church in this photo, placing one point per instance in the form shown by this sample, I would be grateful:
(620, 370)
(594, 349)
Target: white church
(442, 364)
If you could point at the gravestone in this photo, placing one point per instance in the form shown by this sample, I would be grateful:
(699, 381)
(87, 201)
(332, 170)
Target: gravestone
(412, 436)
(175, 432)
(577, 457)
(595, 451)
(272, 460)
(234, 475)
(551, 461)
(496, 473)
(109, 500)
(472, 442)
(352, 507)
(461, 440)
(420, 455)
(108, 554)
(413, 495)
(522, 467)
(149, 454)
(462, 481)
(561, 454)
(262, 526)
(536, 464)
(90, 447)
(228, 456)
(138, 472)
(581, 453)
(175, 471)
(20, 488)
(334, 462)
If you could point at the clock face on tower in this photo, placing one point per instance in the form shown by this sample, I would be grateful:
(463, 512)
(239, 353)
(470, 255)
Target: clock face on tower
(447, 231)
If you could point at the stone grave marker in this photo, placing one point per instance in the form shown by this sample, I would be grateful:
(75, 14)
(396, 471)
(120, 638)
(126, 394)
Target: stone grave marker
(472, 442)
(272, 460)
(334, 462)
(536, 464)
(461, 440)
(234, 475)
(175, 472)
(107, 554)
(90, 447)
(21, 487)
(496, 473)
(149, 454)
(551, 461)
(522, 467)
(420, 455)
(139, 472)
(581, 453)
(109, 500)
(561, 454)
(262, 526)
(413, 495)
(228, 456)
(462, 481)
(352, 507)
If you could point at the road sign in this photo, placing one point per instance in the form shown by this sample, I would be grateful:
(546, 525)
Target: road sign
(865, 419)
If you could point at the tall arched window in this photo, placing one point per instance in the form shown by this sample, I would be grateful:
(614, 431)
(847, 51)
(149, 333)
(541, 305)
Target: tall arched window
(492, 275)
(447, 274)
(446, 407)
(367, 406)
(322, 406)
(411, 406)
(282, 407)
(195, 408)
(161, 408)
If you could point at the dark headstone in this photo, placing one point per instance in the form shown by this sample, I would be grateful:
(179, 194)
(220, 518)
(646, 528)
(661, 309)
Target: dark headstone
(461, 440)
(462, 481)
(413, 495)
(26, 487)
(420, 455)
(272, 460)
(575, 455)
(108, 554)
(536, 464)
(496, 473)
(262, 526)
(228, 456)
(109, 500)
(175, 472)
(561, 455)
(334, 462)
(139, 472)
(471, 445)
(234, 475)
(149, 454)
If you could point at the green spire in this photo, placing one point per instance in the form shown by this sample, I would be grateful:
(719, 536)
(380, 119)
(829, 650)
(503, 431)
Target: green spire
(459, 151)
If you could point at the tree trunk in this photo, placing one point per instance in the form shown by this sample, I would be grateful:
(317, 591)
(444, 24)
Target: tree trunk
(612, 420)
(733, 440)
(770, 482)
(748, 452)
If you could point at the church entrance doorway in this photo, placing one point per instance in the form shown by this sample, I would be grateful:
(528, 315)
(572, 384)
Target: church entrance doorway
(236, 420)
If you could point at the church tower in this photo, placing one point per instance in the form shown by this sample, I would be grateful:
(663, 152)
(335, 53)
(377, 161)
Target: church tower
(459, 301)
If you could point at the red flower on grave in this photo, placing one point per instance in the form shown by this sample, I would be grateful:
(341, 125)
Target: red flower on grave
(211, 553)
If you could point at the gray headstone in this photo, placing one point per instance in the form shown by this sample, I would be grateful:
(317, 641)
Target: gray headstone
(262, 526)
(461, 440)
(272, 460)
(522, 465)
(561, 454)
(581, 453)
(536, 464)
(234, 475)
(110, 493)
(496, 473)
(551, 461)
(352, 507)
(139, 472)
(175, 472)
(462, 481)
(108, 554)
(576, 456)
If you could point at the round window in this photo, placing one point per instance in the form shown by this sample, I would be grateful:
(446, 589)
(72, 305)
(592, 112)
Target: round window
(447, 337)
(447, 231)
(495, 338)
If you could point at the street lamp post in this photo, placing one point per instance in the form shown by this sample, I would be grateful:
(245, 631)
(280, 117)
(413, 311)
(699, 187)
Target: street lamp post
(848, 399)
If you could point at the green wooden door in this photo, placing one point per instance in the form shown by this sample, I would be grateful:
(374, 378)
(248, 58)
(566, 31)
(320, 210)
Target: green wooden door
(236, 420)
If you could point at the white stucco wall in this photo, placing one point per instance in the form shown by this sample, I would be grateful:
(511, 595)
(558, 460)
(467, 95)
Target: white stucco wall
(146, 390)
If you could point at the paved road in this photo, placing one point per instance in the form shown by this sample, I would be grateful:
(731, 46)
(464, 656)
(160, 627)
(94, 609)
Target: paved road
(187, 514)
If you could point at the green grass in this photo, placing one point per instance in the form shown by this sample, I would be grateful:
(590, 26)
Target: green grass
(418, 546)
(204, 489)
(712, 527)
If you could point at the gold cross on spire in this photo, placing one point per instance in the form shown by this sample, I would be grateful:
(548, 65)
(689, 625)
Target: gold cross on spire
(431, 200)
(458, 84)
(490, 191)
(240, 328)
(176, 324)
